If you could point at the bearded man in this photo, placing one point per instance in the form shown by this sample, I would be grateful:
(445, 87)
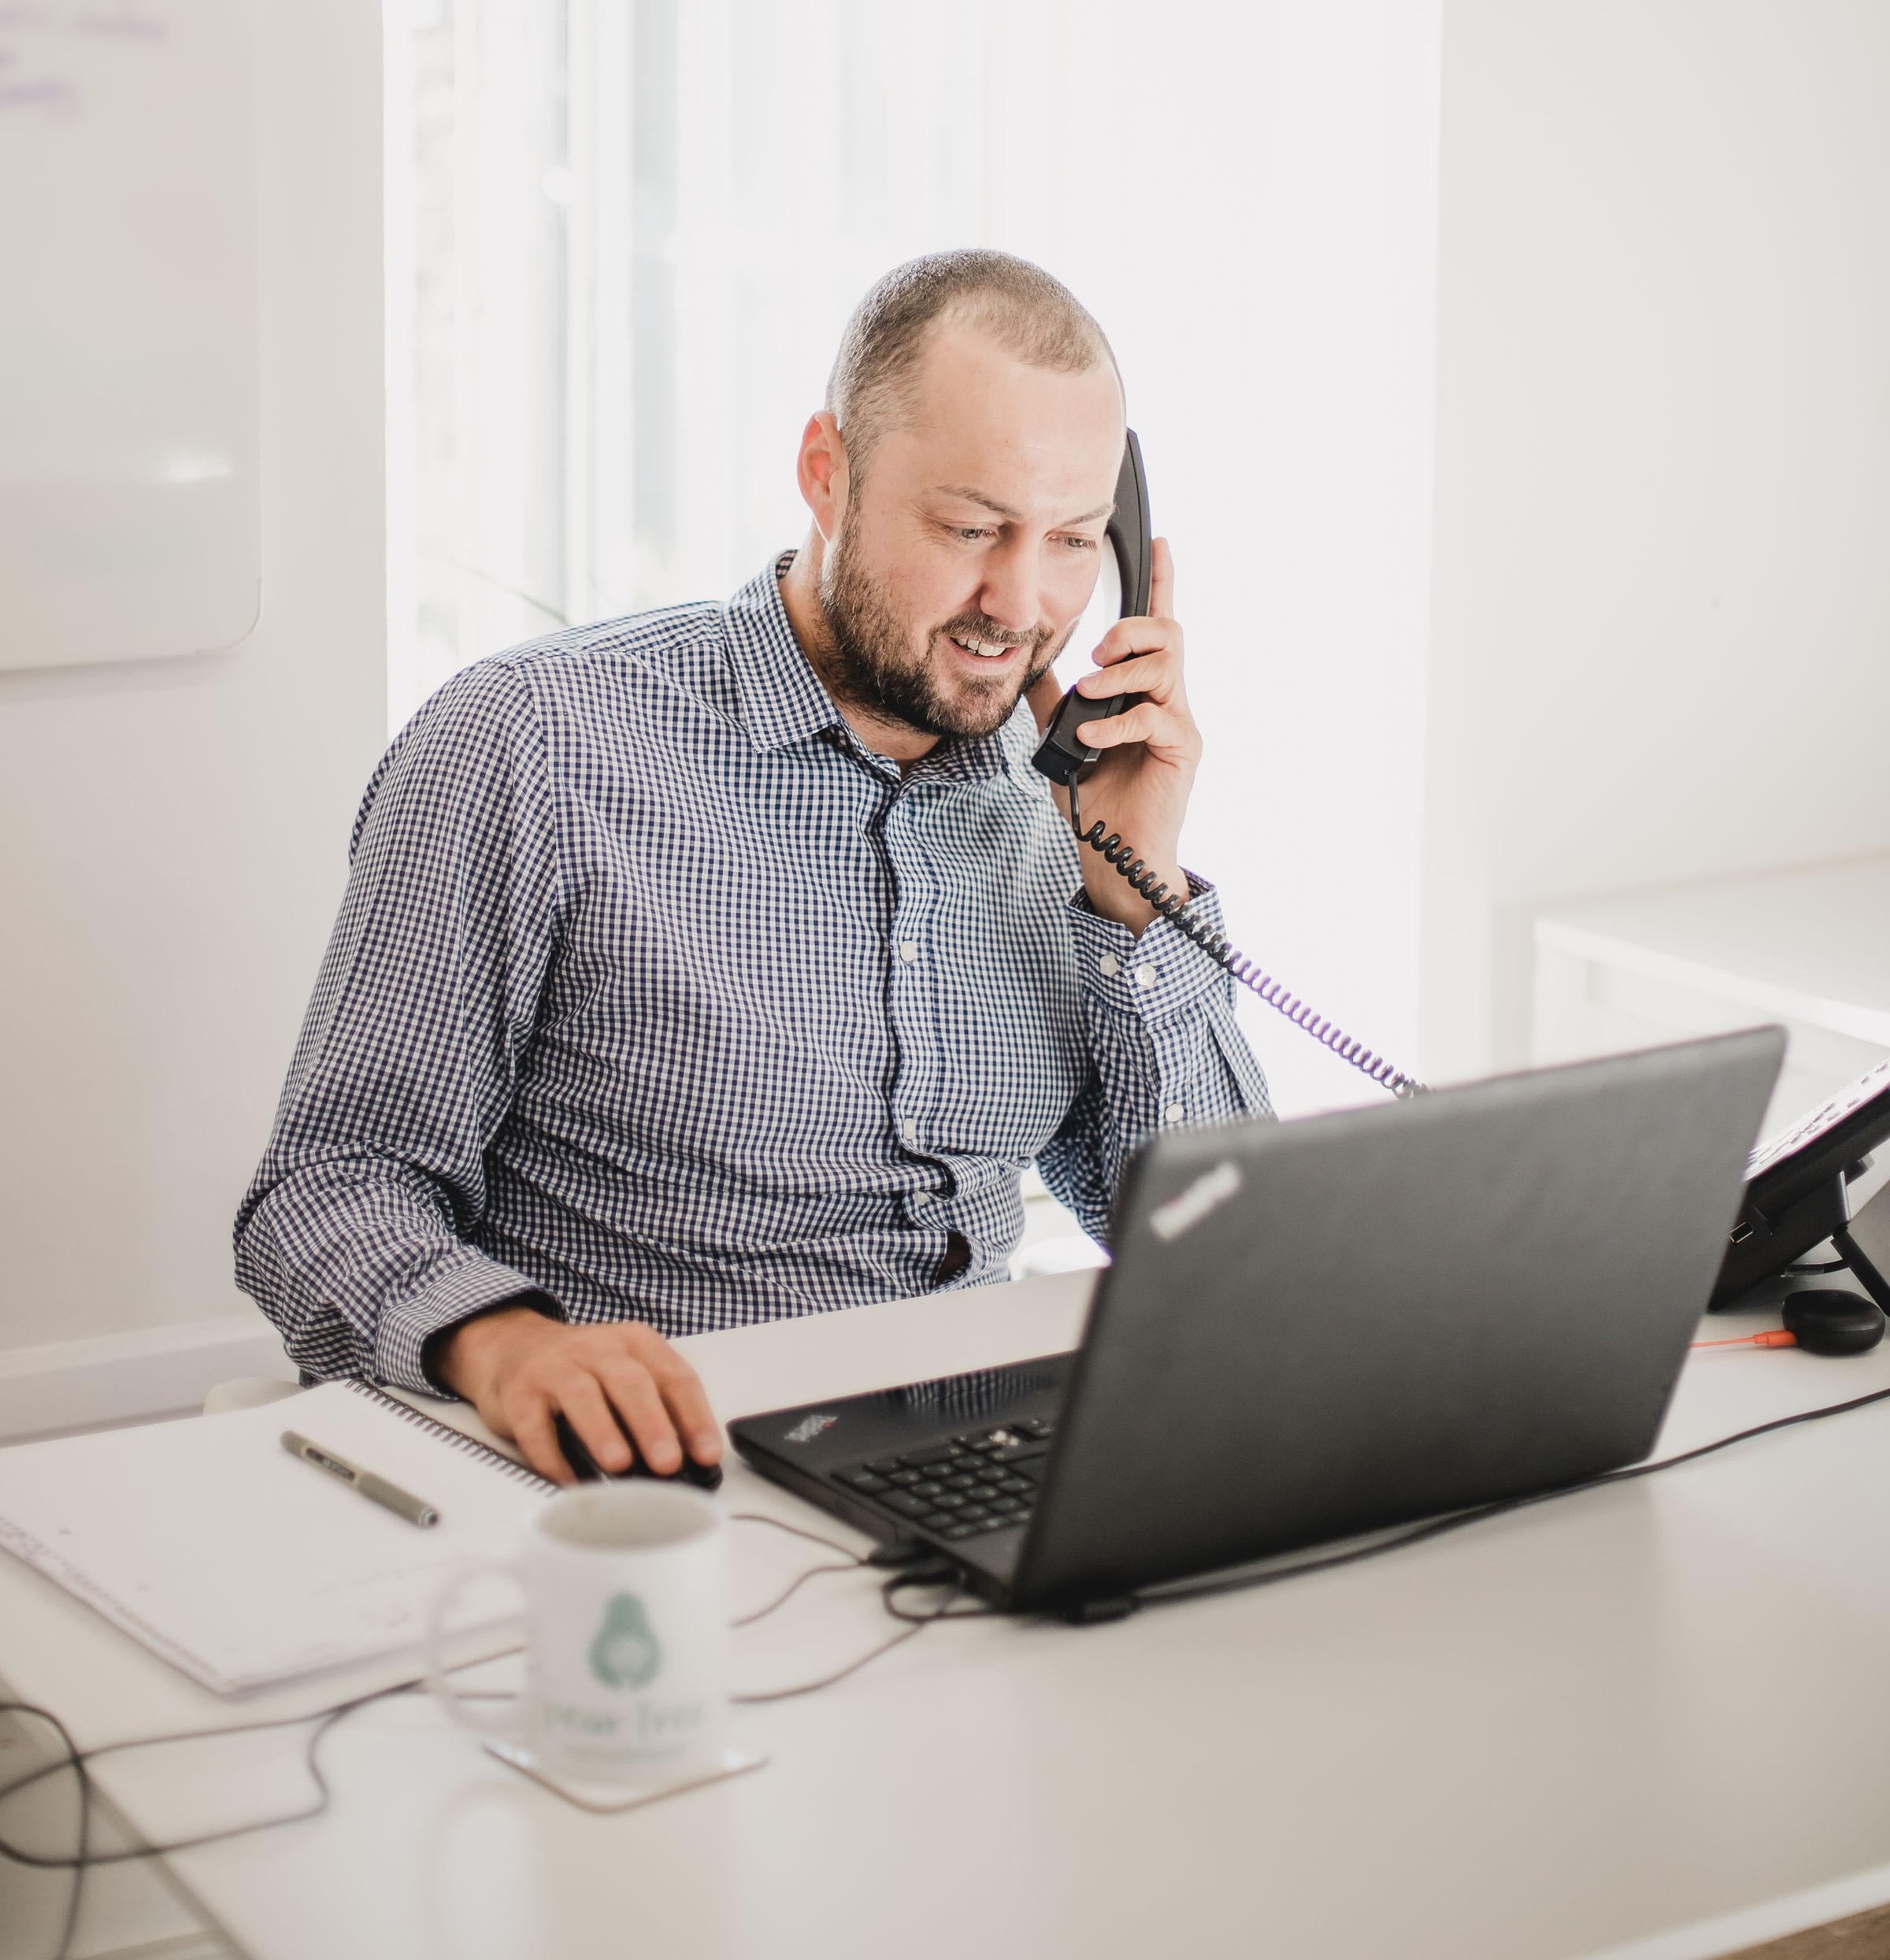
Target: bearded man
(729, 962)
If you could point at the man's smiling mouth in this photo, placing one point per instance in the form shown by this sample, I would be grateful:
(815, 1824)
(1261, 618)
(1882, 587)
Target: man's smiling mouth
(984, 649)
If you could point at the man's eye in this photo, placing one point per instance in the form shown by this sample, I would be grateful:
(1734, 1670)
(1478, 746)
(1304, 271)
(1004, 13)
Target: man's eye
(1080, 544)
(972, 533)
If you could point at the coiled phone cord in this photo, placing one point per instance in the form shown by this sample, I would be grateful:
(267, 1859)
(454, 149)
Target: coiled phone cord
(1170, 904)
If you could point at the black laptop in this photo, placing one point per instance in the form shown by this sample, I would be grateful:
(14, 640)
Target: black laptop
(1316, 1329)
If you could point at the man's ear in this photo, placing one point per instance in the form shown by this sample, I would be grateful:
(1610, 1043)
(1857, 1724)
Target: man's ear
(822, 471)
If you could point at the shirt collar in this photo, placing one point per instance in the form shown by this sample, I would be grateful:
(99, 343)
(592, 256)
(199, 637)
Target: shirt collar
(784, 700)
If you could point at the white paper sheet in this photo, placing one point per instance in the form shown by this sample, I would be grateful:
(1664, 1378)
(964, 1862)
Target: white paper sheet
(244, 1565)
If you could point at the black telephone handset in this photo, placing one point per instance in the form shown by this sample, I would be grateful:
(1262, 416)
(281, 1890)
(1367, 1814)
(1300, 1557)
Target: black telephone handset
(1061, 753)
(1064, 757)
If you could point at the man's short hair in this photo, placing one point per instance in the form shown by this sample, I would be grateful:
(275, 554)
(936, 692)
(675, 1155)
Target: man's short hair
(874, 381)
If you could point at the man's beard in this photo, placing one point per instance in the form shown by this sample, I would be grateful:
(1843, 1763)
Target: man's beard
(874, 667)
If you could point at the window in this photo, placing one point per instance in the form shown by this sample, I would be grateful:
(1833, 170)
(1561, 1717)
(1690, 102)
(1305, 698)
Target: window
(636, 227)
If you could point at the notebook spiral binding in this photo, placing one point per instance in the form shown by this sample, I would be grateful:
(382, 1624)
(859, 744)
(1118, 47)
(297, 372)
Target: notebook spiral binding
(466, 1445)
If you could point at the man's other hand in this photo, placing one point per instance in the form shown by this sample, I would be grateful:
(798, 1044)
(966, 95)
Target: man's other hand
(520, 1370)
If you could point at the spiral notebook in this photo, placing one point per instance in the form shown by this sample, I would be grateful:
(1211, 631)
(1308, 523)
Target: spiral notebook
(243, 1565)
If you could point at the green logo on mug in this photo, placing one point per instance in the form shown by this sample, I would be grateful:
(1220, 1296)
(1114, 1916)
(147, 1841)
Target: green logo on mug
(624, 1653)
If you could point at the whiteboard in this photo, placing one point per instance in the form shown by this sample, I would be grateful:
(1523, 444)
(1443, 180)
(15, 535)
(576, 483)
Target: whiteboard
(129, 519)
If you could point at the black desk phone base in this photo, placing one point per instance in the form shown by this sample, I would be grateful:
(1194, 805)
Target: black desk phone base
(1797, 1195)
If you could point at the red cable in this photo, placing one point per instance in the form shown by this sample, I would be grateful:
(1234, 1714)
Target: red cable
(1775, 1337)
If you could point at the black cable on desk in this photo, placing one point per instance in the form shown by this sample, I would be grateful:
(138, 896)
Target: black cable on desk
(854, 1560)
(1436, 1527)
(933, 1572)
(78, 1760)
(73, 1760)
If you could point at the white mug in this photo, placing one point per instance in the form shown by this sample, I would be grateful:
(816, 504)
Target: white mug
(627, 1637)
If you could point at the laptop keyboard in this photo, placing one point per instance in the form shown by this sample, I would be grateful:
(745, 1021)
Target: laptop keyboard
(978, 1482)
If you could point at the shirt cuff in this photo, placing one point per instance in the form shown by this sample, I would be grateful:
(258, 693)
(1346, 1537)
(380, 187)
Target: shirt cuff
(1157, 974)
(461, 1284)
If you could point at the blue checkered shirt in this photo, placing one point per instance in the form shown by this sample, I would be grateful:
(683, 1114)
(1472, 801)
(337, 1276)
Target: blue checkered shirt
(656, 994)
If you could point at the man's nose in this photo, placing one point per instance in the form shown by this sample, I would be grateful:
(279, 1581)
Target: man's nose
(1011, 596)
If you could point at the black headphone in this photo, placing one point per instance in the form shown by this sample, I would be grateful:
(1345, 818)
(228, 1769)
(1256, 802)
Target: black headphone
(1832, 1320)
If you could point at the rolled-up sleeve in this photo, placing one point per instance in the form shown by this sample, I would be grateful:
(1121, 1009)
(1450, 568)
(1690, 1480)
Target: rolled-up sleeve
(1165, 1050)
(359, 1236)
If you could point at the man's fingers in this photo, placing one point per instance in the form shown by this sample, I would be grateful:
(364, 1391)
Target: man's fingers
(1162, 582)
(532, 1431)
(1129, 637)
(1145, 722)
(587, 1409)
(625, 1391)
(1141, 674)
(638, 1402)
(687, 1402)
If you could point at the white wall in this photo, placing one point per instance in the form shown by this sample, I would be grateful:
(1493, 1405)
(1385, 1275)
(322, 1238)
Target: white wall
(1662, 623)
(1280, 349)
(175, 832)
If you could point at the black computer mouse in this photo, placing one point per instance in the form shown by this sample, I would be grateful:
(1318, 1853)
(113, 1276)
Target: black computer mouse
(1832, 1320)
(705, 1477)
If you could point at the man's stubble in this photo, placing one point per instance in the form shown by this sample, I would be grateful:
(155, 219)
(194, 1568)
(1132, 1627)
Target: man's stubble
(875, 666)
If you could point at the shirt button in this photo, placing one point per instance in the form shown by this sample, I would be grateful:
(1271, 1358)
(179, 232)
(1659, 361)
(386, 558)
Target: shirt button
(909, 1131)
(909, 950)
(1173, 1114)
(919, 1197)
(1111, 966)
(1145, 976)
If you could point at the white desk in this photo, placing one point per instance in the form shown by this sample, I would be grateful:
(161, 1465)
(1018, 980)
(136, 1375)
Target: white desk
(1651, 1721)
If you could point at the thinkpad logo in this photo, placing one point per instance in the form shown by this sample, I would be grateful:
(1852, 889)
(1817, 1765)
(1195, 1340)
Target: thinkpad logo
(1186, 1209)
(808, 1427)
